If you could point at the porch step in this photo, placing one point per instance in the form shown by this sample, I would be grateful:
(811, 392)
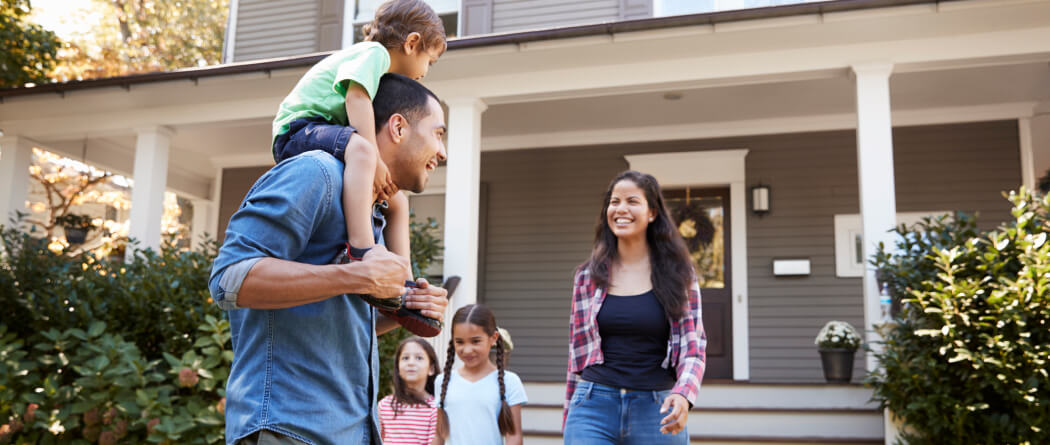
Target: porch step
(744, 413)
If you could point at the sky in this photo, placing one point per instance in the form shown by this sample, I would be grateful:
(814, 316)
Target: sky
(65, 17)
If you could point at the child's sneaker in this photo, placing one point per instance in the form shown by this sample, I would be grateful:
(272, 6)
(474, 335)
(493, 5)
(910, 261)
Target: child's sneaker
(414, 320)
(411, 319)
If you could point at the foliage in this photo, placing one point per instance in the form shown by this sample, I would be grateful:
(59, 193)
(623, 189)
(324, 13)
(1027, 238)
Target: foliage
(426, 244)
(27, 51)
(139, 36)
(838, 335)
(156, 299)
(93, 386)
(74, 221)
(967, 360)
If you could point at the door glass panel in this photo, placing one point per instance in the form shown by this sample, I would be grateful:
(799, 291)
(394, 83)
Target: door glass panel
(700, 220)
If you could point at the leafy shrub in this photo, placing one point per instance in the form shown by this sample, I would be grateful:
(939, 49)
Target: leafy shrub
(156, 300)
(967, 361)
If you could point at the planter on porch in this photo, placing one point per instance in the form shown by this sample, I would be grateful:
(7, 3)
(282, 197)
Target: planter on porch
(837, 342)
(838, 364)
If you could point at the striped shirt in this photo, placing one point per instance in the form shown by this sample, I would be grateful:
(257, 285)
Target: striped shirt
(415, 425)
(686, 349)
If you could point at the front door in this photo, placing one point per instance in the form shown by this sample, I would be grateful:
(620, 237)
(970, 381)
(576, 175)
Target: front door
(702, 216)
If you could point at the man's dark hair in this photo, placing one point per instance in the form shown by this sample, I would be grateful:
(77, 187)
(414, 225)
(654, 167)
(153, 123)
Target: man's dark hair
(398, 94)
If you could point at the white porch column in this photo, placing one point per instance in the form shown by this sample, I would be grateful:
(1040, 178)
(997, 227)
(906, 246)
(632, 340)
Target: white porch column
(203, 216)
(1028, 173)
(878, 204)
(462, 189)
(147, 194)
(15, 156)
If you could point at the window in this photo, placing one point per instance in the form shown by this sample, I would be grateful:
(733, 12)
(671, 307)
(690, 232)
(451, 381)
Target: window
(849, 240)
(365, 11)
(664, 8)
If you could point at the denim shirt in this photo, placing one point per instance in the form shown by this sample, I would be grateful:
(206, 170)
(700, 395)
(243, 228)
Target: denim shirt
(309, 372)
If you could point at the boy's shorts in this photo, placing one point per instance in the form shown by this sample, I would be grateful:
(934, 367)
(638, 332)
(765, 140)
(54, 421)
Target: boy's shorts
(309, 134)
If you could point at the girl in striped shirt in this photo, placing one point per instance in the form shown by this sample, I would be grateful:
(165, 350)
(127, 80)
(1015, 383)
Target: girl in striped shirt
(409, 415)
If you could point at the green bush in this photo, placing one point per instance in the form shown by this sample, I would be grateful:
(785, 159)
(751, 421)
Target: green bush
(967, 360)
(155, 299)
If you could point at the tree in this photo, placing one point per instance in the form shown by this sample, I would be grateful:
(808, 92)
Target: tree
(27, 51)
(142, 36)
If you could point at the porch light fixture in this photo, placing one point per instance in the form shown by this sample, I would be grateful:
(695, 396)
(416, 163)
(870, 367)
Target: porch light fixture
(760, 199)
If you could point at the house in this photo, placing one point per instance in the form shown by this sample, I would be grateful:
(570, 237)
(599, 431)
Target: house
(854, 115)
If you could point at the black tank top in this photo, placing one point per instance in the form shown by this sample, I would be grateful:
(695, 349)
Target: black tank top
(634, 331)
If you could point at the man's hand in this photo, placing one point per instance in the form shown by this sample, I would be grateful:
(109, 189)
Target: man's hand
(387, 272)
(430, 300)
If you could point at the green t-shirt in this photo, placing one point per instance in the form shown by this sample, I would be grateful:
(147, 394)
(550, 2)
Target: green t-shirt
(322, 90)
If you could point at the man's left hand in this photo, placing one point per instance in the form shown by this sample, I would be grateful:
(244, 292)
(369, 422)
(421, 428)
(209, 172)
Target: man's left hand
(430, 300)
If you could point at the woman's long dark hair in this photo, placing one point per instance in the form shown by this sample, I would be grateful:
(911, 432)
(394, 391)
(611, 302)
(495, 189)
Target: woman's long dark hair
(669, 259)
(403, 395)
(483, 317)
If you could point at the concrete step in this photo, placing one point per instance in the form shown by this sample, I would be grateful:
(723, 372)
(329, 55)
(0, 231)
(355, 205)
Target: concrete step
(533, 438)
(742, 413)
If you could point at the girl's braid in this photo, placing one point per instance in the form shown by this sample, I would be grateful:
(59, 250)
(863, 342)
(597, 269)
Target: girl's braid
(505, 419)
(443, 425)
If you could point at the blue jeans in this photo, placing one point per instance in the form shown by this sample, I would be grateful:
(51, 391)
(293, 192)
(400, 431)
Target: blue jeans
(600, 414)
(312, 134)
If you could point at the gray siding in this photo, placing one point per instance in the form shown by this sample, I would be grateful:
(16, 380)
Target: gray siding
(280, 28)
(636, 9)
(519, 15)
(235, 185)
(543, 204)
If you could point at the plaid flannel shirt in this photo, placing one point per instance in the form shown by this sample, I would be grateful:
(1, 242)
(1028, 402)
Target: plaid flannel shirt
(686, 348)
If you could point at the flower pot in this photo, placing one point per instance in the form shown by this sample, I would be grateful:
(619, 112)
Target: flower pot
(75, 236)
(838, 364)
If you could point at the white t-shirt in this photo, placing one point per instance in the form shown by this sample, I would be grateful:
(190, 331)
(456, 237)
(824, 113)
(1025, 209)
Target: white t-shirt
(473, 407)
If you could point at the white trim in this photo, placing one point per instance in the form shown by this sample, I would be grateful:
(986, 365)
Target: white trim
(752, 127)
(216, 198)
(231, 32)
(715, 168)
(1024, 127)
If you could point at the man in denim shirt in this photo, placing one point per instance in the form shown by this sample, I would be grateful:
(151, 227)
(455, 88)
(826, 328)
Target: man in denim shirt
(305, 360)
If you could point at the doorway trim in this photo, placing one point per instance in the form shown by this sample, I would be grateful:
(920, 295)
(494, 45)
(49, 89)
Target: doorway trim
(714, 168)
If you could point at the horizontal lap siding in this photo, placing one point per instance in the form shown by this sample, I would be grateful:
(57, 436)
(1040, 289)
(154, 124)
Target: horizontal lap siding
(542, 206)
(518, 15)
(276, 28)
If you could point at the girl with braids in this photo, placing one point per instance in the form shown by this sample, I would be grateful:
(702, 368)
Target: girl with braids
(479, 403)
(409, 415)
(637, 343)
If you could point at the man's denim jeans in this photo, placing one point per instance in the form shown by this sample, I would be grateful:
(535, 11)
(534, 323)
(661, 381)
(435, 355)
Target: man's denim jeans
(600, 414)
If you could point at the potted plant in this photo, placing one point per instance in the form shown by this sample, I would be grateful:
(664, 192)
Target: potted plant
(837, 342)
(76, 227)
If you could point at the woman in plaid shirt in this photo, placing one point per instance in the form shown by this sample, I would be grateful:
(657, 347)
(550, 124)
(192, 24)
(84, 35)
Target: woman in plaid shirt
(636, 353)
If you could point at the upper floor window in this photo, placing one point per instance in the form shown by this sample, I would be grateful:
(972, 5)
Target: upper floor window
(663, 8)
(365, 11)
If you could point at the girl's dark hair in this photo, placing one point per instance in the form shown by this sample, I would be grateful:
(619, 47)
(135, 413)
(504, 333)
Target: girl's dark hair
(669, 259)
(403, 395)
(396, 19)
(482, 316)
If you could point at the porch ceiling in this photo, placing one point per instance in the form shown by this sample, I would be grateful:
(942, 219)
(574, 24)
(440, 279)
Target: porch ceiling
(952, 92)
